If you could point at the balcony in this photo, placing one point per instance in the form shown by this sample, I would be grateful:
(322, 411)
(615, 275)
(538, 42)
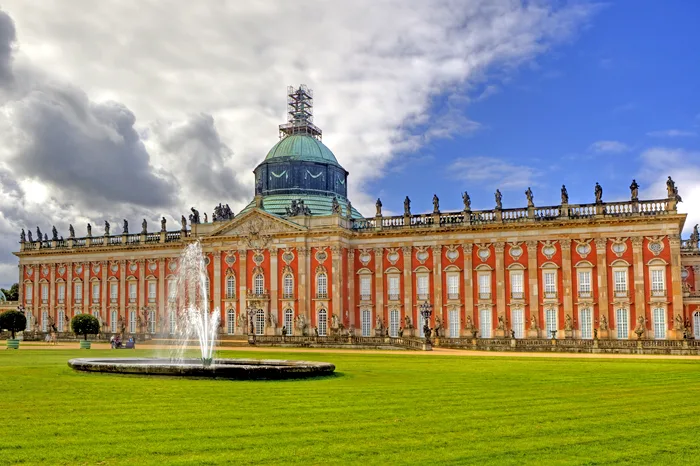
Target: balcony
(585, 294)
(151, 299)
(453, 296)
(95, 300)
(550, 294)
(622, 293)
(423, 297)
(78, 301)
(484, 295)
(517, 295)
(658, 293)
(44, 301)
(61, 300)
(321, 295)
(365, 297)
(287, 295)
(230, 296)
(113, 299)
(394, 296)
(258, 294)
(132, 299)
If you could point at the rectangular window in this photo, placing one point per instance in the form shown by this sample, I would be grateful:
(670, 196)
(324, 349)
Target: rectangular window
(394, 287)
(584, 283)
(28, 291)
(95, 292)
(113, 288)
(44, 321)
(620, 280)
(366, 322)
(550, 284)
(394, 320)
(453, 286)
(113, 322)
(484, 286)
(365, 288)
(288, 286)
(322, 286)
(516, 284)
(551, 322)
(132, 322)
(586, 321)
(78, 292)
(151, 291)
(151, 321)
(231, 322)
(259, 285)
(453, 316)
(132, 292)
(172, 290)
(322, 323)
(44, 292)
(61, 320)
(485, 323)
(622, 324)
(518, 322)
(658, 287)
(696, 325)
(61, 293)
(659, 321)
(423, 287)
(289, 321)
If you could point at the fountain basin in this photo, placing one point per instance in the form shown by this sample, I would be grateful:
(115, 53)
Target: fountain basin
(234, 369)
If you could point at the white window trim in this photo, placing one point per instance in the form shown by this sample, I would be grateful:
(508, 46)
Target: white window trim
(658, 289)
(584, 291)
(258, 284)
(517, 293)
(484, 283)
(620, 289)
(288, 286)
(423, 292)
(393, 292)
(365, 287)
(622, 329)
(452, 281)
(322, 285)
(550, 289)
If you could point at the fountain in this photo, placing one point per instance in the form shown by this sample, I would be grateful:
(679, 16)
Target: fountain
(192, 321)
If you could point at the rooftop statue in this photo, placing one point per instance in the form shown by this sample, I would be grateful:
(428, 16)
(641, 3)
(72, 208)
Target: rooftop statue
(125, 227)
(564, 195)
(38, 234)
(528, 194)
(183, 221)
(335, 206)
(467, 201)
(194, 216)
(22, 236)
(54, 233)
(407, 206)
(162, 224)
(144, 227)
(379, 207)
(598, 193)
(634, 190)
(29, 236)
(71, 231)
(89, 230)
(436, 204)
(205, 218)
(349, 210)
(672, 190)
(499, 199)
(222, 213)
(106, 228)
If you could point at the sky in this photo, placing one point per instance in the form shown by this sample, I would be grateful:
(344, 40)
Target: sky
(141, 109)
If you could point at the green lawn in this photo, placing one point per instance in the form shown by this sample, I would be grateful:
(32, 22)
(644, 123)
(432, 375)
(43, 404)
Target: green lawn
(379, 409)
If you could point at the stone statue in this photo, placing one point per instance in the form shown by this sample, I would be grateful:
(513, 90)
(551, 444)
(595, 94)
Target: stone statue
(258, 185)
(241, 320)
(194, 216)
(469, 324)
(162, 224)
(334, 321)
(379, 324)
(144, 227)
(22, 236)
(512, 334)
(634, 190)
(595, 333)
(407, 322)
(54, 233)
(568, 323)
(598, 193)
(639, 329)
(349, 210)
(315, 331)
(533, 323)
(335, 206)
(400, 332)
(125, 228)
(670, 187)
(438, 325)
(528, 194)
(89, 230)
(378, 204)
(501, 323)
(436, 204)
(603, 323)
(271, 319)
(678, 323)
(71, 231)
(564, 195)
(499, 198)
(183, 221)
(29, 236)
(467, 201)
(38, 234)
(206, 220)
(407, 206)
(695, 237)
(46, 237)
(296, 208)
(106, 228)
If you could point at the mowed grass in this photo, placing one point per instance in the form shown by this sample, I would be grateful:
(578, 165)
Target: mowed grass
(378, 409)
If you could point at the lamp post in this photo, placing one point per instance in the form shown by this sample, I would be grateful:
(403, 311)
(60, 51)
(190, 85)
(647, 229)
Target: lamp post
(426, 310)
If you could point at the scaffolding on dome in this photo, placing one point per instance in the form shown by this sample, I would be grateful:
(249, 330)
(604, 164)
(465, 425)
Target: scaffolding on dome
(300, 113)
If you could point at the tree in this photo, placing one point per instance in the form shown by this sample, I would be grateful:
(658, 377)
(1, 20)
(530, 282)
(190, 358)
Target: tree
(14, 321)
(85, 324)
(12, 294)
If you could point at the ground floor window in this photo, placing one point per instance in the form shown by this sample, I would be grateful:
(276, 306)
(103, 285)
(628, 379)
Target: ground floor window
(585, 318)
(696, 325)
(659, 322)
(453, 317)
(61, 320)
(322, 322)
(132, 322)
(230, 321)
(113, 322)
(173, 322)
(259, 322)
(394, 319)
(151, 321)
(622, 324)
(28, 316)
(366, 322)
(289, 321)
(485, 323)
(517, 318)
(551, 322)
(44, 321)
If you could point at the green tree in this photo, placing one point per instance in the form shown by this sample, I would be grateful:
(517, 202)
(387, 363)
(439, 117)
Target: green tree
(85, 324)
(13, 293)
(14, 321)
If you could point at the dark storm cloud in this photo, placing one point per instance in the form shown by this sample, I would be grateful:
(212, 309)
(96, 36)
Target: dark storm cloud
(8, 36)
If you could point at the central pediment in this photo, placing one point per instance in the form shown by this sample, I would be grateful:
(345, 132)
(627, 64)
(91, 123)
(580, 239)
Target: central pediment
(257, 223)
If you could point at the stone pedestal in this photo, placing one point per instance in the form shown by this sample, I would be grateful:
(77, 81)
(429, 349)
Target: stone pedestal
(568, 334)
(499, 333)
(674, 334)
(603, 334)
(533, 333)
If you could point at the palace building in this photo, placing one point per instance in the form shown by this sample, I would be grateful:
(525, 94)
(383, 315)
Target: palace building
(299, 256)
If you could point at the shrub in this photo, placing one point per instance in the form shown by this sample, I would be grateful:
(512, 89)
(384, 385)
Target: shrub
(85, 324)
(14, 321)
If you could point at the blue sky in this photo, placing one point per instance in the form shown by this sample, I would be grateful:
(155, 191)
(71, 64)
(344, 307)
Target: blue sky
(628, 77)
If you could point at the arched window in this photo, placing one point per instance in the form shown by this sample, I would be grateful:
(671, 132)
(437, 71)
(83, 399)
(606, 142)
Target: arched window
(289, 321)
(259, 284)
(322, 323)
(321, 285)
(230, 287)
(230, 321)
(288, 286)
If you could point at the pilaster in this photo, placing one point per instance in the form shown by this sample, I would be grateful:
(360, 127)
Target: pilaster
(142, 288)
(336, 274)
(696, 275)
(52, 293)
(303, 264)
(217, 285)
(567, 293)
(379, 284)
(437, 282)
(602, 274)
(407, 283)
(533, 295)
(499, 249)
(638, 271)
(105, 290)
(242, 283)
(468, 285)
(162, 295)
(122, 292)
(69, 290)
(274, 287)
(677, 291)
(20, 281)
(86, 290)
(351, 286)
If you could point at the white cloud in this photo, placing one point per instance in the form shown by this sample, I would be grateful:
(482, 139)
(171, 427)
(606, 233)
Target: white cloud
(493, 172)
(608, 147)
(672, 133)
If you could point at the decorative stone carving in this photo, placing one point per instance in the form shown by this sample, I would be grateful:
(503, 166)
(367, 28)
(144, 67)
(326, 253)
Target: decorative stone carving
(392, 255)
(598, 193)
(468, 248)
(467, 201)
(484, 252)
(548, 249)
(619, 246)
(568, 323)
(335, 206)
(222, 213)
(565, 244)
(407, 206)
(600, 244)
(499, 199)
(533, 323)
(529, 196)
(378, 253)
(531, 247)
(351, 254)
(499, 247)
(583, 247)
(603, 325)
(634, 190)
(564, 195)
(515, 251)
(436, 204)
(321, 255)
(365, 257)
(406, 250)
(421, 254)
(636, 241)
(288, 256)
(452, 253)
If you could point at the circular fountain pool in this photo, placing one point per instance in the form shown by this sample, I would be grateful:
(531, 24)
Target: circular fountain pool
(236, 369)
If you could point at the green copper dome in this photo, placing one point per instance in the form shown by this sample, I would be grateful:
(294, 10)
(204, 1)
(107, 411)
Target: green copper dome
(300, 147)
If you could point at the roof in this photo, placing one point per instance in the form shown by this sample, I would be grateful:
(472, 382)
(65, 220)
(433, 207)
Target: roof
(319, 205)
(301, 147)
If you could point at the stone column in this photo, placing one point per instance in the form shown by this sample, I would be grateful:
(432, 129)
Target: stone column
(567, 293)
(696, 275)
(303, 257)
(242, 284)
(437, 284)
(274, 286)
(217, 286)
(69, 289)
(468, 285)
(379, 285)
(20, 282)
(638, 274)
(533, 298)
(499, 249)
(602, 266)
(351, 286)
(408, 284)
(142, 287)
(36, 299)
(677, 290)
(86, 291)
(105, 291)
(336, 272)
(52, 293)
(162, 294)
(122, 292)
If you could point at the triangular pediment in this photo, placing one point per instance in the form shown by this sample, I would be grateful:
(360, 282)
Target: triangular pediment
(256, 223)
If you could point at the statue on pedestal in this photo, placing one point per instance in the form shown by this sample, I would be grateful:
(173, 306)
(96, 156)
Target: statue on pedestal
(106, 228)
(467, 201)
(54, 233)
(407, 206)
(634, 190)
(144, 227)
(89, 230)
(564, 195)
(407, 322)
(603, 323)
(125, 228)
(194, 216)
(162, 224)
(335, 205)
(378, 205)
(568, 323)
(22, 237)
(38, 234)
(183, 221)
(71, 231)
(436, 204)
(598, 193)
(528, 195)
(29, 236)
(499, 199)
